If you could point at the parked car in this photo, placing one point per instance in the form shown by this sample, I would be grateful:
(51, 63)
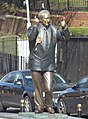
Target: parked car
(75, 99)
(59, 84)
(17, 90)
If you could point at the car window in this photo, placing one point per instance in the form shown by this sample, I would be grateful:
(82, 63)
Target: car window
(18, 77)
(5, 78)
(87, 84)
(83, 83)
(8, 78)
(58, 79)
(28, 78)
(12, 77)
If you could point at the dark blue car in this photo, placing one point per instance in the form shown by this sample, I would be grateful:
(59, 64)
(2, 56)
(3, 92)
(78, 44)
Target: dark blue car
(75, 99)
(17, 90)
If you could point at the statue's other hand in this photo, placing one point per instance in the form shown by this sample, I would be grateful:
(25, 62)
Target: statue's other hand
(38, 40)
(63, 23)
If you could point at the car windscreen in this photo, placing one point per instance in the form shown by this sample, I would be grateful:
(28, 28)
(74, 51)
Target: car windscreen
(58, 79)
(27, 78)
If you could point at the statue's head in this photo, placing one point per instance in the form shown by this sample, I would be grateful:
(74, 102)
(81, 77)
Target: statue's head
(44, 17)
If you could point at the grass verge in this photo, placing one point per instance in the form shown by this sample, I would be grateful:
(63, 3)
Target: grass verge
(79, 31)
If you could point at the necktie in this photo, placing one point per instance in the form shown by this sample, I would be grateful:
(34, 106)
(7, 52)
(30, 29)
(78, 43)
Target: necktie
(46, 41)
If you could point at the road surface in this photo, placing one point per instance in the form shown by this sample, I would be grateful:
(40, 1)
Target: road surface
(15, 114)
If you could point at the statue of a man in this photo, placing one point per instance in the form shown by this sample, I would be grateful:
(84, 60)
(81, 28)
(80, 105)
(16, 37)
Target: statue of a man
(43, 36)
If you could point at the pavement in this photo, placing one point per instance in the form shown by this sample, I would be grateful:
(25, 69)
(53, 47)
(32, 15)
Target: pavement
(32, 115)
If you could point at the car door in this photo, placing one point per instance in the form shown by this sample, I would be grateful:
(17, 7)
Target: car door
(78, 94)
(84, 95)
(12, 92)
(6, 87)
(72, 99)
(17, 89)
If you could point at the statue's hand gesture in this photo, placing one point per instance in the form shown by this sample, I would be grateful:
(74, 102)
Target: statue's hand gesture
(35, 21)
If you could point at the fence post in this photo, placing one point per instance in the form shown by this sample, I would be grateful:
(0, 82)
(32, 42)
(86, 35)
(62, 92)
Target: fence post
(87, 4)
(67, 4)
(78, 57)
(48, 5)
(21, 62)
(10, 62)
(2, 56)
(16, 55)
(3, 46)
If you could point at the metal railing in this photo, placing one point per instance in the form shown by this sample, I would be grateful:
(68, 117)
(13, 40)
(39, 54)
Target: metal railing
(14, 53)
(52, 5)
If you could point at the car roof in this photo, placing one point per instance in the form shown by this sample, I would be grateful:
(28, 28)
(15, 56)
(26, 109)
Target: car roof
(28, 70)
(60, 77)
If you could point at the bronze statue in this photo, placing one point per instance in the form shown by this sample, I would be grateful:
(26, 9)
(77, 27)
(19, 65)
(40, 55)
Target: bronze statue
(43, 36)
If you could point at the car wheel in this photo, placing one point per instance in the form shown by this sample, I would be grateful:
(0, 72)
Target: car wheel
(27, 104)
(61, 106)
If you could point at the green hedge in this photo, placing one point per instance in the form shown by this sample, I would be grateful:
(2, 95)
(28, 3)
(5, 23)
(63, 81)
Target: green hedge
(79, 31)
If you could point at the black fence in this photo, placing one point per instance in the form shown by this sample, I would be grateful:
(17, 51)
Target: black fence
(13, 54)
(73, 58)
(55, 6)
(8, 62)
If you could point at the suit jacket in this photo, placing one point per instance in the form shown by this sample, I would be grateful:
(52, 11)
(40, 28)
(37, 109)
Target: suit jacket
(39, 59)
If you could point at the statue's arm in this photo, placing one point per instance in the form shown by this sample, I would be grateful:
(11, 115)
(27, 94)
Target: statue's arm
(32, 32)
(63, 34)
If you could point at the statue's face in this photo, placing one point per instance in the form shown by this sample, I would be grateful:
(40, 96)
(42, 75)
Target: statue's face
(46, 19)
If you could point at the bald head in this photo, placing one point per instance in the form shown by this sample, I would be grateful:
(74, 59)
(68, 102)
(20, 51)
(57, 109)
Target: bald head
(43, 13)
(44, 17)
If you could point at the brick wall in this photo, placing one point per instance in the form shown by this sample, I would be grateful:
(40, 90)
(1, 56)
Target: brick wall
(77, 18)
(72, 18)
(15, 25)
